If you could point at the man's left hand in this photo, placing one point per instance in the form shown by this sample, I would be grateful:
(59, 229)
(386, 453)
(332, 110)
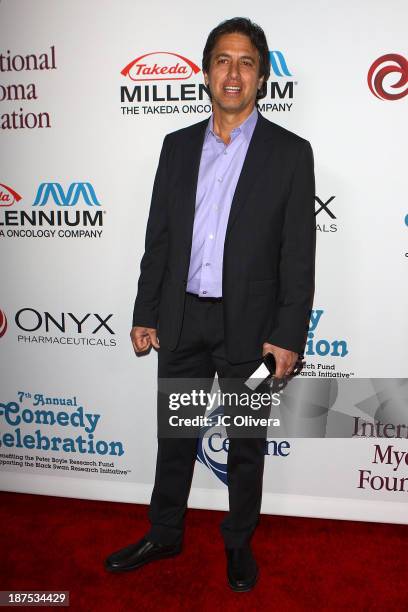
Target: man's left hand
(285, 360)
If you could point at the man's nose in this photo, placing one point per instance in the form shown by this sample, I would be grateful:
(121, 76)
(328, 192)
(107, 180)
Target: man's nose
(234, 71)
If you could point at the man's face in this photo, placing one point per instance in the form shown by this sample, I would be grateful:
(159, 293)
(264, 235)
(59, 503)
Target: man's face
(233, 77)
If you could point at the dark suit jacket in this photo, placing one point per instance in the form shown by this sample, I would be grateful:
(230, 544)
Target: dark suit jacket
(269, 251)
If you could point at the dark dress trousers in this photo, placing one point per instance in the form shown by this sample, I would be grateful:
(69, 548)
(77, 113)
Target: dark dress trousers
(267, 287)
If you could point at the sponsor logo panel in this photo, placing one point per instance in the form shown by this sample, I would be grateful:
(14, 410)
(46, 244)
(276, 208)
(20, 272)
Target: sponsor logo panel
(71, 210)
(85, 329)
(388, 77)
(164, 82)
(12, 66)
(47, 434)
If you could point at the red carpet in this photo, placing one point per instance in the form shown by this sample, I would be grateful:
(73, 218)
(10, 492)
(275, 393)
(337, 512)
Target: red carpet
(306, 564)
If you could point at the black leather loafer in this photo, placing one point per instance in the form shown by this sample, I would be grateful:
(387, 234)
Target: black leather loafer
(135, 555)
(242, 570)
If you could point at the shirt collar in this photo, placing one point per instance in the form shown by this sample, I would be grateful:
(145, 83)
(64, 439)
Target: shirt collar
(247, 127)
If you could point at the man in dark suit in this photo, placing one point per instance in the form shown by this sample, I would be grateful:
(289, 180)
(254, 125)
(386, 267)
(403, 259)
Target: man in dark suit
(227, 276)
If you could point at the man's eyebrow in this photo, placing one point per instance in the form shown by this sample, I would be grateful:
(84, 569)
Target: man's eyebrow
(248, 57)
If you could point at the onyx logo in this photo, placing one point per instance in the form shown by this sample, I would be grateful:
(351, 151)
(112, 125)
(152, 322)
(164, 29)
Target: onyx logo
(323, 206)
(31, 320)
(3, 323)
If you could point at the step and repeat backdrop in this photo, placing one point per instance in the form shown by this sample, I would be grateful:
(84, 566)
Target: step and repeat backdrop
(88, 91)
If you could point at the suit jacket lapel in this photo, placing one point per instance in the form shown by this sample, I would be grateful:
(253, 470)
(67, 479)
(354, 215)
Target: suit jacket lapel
(191, 165)
(258, 151)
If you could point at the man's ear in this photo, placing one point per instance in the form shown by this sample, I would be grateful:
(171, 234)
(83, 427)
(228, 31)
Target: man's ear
(260, 82)
(205, 78)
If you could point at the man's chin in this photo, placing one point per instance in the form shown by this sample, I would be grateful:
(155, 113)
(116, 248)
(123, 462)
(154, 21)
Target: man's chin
(232, 106)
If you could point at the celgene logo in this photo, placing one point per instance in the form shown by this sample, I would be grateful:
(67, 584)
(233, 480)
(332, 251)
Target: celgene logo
(8, 196)
(216, 444)
(160, 66)
(56, 192)
(391, 63)
(278, 64)
(3, 323)
(205, 446)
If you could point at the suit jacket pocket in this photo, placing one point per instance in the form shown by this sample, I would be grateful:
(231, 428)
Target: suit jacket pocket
(262, 287)
(170, 311)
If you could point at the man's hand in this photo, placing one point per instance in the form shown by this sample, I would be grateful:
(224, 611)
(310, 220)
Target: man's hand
(285, 360)
(143, 338)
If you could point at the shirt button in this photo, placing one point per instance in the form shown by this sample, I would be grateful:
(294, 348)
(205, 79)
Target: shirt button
(211, 236)
(204, 292)
(207, 264)
(219, 179)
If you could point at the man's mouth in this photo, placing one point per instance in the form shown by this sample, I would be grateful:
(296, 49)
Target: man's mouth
(232, 90)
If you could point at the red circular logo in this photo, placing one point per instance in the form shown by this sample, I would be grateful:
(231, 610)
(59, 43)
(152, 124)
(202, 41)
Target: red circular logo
(3, 323)
(381, 68)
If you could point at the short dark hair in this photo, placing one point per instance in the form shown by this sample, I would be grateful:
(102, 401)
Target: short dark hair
(255, 33)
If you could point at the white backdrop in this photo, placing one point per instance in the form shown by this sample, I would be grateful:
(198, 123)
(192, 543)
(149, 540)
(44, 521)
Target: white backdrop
(96, 162)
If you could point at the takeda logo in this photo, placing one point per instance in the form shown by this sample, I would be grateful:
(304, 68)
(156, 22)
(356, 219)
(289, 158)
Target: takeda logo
(155, 87)
(8, 196)
(3, 323)
(379, 78)
(160, 65)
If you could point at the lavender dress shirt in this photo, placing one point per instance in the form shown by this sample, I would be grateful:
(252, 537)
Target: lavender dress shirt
(220, 167)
